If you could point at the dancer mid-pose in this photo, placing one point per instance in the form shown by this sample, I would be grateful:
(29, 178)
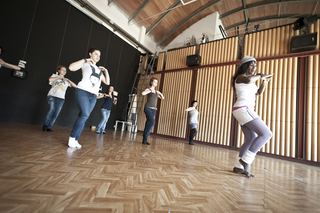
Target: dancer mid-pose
(87, 91)
(255, 131)
(56, 96)
(193, 120)
(106, 109)
(150, 108)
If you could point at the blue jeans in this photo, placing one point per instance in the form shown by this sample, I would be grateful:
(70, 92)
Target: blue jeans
(55, 105)
(105, 116)
(86, 102)
(150, 113)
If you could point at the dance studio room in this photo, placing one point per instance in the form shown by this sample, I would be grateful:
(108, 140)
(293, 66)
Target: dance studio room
(164, 106)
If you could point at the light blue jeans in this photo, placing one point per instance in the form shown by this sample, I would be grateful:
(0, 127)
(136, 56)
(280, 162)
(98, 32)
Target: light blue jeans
(86, 102)
(55, 105)
(105, 117)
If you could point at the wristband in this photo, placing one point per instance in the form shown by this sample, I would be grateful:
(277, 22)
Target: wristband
(85, 61)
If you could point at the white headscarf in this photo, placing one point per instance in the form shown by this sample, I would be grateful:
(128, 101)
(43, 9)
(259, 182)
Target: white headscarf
(247, 59)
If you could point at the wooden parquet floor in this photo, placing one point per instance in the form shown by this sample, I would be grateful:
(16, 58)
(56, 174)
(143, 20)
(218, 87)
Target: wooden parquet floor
(116, 173)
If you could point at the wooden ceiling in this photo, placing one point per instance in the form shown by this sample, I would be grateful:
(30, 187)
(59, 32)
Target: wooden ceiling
(165, 26)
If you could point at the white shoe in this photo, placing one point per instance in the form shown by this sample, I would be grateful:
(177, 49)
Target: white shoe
(72, 142)
(77, 144)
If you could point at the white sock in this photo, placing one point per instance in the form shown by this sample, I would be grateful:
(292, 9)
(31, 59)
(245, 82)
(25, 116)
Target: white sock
(237, 164)
(248, 157)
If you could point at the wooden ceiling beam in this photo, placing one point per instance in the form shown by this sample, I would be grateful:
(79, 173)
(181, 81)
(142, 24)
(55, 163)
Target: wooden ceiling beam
(260, 4)
(156, 22)
(195, 13)
(266, 18)
(140, 8)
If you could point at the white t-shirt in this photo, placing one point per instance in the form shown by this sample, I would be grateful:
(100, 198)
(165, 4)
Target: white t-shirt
(246, 94)
(58, 88)
(193, 116)
(91, 78)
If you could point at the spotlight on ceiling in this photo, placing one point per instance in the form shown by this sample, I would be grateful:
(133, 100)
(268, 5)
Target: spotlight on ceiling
(185, 2)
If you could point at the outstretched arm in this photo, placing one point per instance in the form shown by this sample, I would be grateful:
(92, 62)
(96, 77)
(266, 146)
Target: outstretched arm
(190, 109)
(10, 66)
(251, 79)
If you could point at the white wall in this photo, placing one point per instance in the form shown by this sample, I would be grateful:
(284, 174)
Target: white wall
(114, 13)
(208, 25)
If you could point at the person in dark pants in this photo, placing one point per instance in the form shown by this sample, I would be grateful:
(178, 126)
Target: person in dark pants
(106, 109)
(193, 120)
(150, 108)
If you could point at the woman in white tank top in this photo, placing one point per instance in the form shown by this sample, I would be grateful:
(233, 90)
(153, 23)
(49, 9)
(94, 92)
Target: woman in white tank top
(87, 91)
(254, 129)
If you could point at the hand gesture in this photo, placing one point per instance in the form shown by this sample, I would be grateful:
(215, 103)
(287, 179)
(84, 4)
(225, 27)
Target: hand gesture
(265, 77)
(102, 69)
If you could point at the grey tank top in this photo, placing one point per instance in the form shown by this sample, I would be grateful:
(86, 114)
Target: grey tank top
(151, 100)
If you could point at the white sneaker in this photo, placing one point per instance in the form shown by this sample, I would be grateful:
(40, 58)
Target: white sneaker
(72, 142)
(77, 144)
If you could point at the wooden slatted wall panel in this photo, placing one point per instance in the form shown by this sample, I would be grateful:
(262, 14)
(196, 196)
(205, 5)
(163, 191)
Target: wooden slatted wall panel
(160, 61)
(277, 106)
(177, 59)
(142, 118)
(176, 90)
(220, 51)
(214, 95)
(270, 42)
(312, 139)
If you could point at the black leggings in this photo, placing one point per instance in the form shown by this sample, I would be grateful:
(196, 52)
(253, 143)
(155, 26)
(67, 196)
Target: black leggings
(193, 133)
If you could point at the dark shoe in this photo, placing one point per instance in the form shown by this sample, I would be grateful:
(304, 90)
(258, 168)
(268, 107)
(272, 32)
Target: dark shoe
(190, 143)
(104, 132)
(44, 127)
(238, 170)
(49, 130)
(246, 169)
(145, 143)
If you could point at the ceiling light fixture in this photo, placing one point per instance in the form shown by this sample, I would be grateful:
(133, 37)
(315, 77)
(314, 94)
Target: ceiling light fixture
(185, 3)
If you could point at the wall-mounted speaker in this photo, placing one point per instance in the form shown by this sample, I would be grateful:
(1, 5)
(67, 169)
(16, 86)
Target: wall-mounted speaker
(304, 42)
(193, 60)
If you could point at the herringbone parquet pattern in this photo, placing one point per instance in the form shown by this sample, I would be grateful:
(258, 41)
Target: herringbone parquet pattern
(116, 173)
